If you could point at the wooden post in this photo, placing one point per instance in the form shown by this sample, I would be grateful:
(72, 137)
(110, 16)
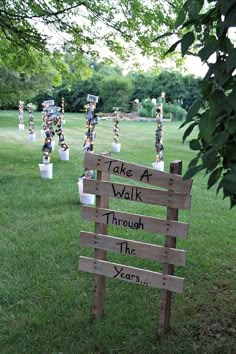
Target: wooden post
(166, 296)
(100, 280)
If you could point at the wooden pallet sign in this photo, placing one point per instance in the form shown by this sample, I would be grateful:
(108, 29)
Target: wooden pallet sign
(176, 196)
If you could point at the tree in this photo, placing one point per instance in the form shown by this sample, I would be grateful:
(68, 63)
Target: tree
(204, 28)
(115, 91)
(32, 32)
(142, 85)
(89, 24)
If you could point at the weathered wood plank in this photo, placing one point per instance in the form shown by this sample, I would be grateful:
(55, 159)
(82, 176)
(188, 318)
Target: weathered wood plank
(131, 274)
(166, 295)
(138, 194)
(137, 172)
(99, 284)
(135, 221)
(133, 248)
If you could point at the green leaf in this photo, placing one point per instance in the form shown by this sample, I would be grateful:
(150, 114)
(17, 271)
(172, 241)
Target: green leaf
(181, 17)
(192, 171)
(229, 182)
(230, 18)
(186, 42)
(231, 61)
(210, 159)
(194, 145)
(207, 126)
(172, 48)
(232, 96)
(209, 48)
(220, 138)
(225, 6)
(232, 201)
(214, 177)
(189, 130)
(193, 162)
(194, 7)
(193, 110)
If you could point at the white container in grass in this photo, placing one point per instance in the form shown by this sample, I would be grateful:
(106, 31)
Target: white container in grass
(64, 154)
(158, 165)
(116, 147)
(42, 132)
(63, 121)
(53, 145)
(85, 198)
(46, 170)
(32, 137)
(21, 127)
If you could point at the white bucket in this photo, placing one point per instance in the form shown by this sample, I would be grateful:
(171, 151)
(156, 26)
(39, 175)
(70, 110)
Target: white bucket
(63, 121)
(46, 170)
(53, 145)
(116, 147)
(64, 155)
(42, 132)
(21, 126)
(158, 165)
(85, 198)
(32, 137)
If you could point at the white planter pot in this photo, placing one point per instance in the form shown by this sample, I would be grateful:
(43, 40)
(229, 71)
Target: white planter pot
(158, 165)
(32, 137)
(64, 155)
(42, 132)
(85, 198)
(46, 170)
(116, 147)
(21, 126)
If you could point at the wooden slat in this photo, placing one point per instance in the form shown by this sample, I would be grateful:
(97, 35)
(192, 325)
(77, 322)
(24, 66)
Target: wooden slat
(99, 284)
(135, 221)
(137, 172)
(133, 248)
(137, 194)
(166, 295)
(131, 274)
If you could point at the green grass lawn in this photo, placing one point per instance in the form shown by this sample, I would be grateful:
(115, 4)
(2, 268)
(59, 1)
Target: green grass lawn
(45, 302)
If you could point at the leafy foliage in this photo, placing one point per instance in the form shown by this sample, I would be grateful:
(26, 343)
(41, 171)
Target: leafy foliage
(88, 23)
(205, 28)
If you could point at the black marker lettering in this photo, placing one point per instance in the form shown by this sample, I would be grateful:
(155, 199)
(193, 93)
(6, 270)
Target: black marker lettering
(117, 271)
(145, 174)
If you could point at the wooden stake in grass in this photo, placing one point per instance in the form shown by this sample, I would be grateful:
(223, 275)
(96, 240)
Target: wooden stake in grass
(21, 113)
(159, 131)
(166, 296)
(116, 128)
(31, 108)
(91, 121)
(48, 129)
